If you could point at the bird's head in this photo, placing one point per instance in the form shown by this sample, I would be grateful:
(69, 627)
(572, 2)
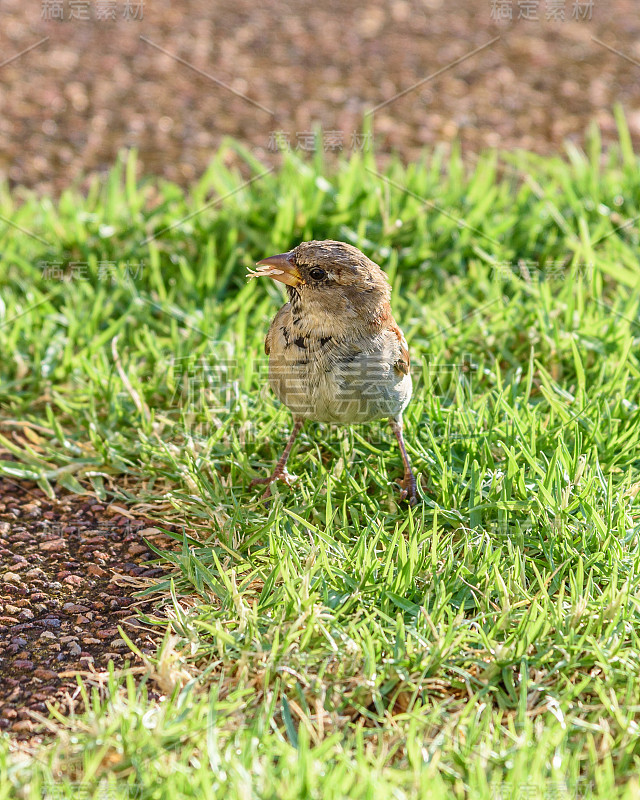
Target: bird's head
(332, 283)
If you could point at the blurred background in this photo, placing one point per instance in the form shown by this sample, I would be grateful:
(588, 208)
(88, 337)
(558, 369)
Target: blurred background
(81, 79)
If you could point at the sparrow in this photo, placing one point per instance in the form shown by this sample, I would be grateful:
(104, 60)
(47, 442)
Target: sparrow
(335, 351)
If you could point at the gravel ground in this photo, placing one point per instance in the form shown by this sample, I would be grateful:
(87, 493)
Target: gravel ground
(69, 570)
(96, 85)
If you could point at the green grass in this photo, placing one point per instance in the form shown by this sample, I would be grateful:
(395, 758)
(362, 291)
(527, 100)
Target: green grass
(338, 644)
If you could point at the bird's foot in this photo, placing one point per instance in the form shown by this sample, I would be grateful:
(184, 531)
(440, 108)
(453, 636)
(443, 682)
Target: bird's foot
(277, 475)
(409, 488)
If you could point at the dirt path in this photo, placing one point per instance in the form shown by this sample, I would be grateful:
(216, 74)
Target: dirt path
(68, 574)
(75, 89)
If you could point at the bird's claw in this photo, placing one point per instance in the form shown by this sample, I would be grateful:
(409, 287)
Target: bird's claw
(409, 489)
(279, 475)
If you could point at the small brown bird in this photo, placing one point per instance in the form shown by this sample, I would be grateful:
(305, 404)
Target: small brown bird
(335, 351)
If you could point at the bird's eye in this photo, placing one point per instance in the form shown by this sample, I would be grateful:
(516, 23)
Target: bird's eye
(317, 274)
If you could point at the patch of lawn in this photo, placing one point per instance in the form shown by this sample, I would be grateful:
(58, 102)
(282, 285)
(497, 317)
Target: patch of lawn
(337, 644)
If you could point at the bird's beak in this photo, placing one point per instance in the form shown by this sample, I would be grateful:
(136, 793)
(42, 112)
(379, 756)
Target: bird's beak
(281, 268)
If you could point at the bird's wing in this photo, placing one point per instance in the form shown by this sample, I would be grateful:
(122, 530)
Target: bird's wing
(403, 363)
(364, 362)
(278, 327)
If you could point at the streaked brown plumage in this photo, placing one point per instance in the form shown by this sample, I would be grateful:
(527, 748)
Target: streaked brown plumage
(335, 351)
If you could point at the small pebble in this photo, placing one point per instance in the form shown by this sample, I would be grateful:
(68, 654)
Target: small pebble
(74, 580)
(35, 572)
(53, 545)
(106, 633)
(22, 726)
(45, 674)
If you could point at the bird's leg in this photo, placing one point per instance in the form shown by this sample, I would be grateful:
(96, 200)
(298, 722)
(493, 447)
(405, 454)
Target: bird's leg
(409, 486)
(280, 472)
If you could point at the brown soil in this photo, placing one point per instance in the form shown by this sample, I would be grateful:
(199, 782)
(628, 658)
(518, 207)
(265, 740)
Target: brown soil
(96, 85)
(69, 571)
